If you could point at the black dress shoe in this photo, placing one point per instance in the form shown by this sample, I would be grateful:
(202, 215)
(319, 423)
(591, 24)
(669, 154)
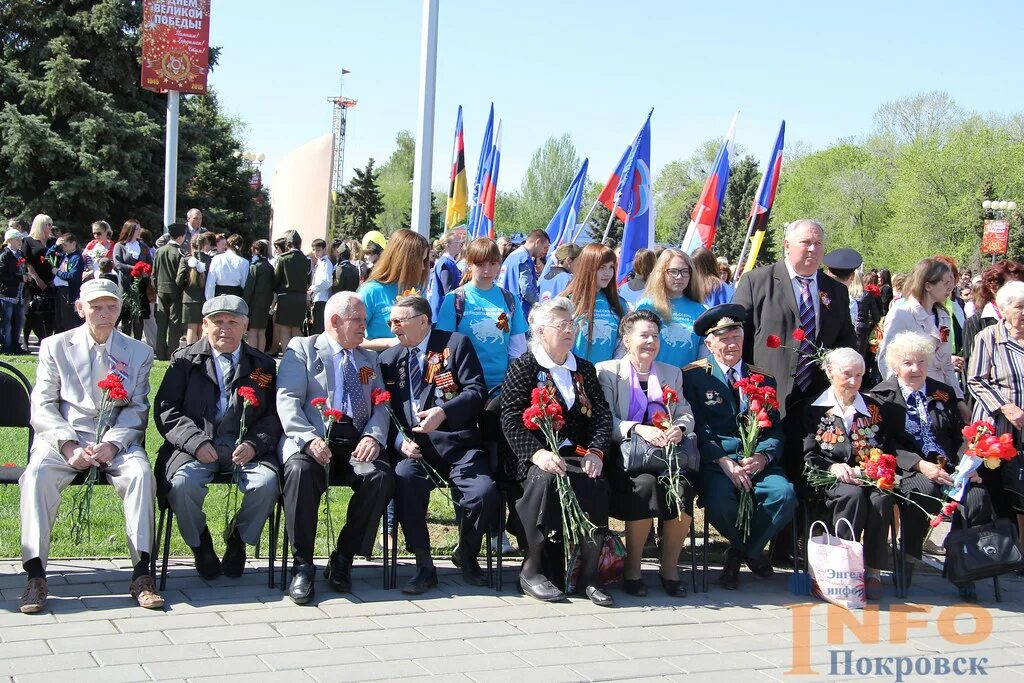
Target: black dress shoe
(599, 597)
(302, 588)
(339, 572)
(540, 588)
(472, 575)
(968, 593)
(425, 579)
(760, 566)
(729, 579)
(234, 556)
(634, 587)
(207, 562)
(673, 587)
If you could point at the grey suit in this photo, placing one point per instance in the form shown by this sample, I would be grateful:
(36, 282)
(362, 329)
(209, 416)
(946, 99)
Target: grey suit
(64, 409)
(307, 372)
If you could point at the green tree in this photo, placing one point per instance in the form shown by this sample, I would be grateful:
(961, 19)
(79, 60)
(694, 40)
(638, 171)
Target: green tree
(360, 204)
(395, 182)
(551, 171)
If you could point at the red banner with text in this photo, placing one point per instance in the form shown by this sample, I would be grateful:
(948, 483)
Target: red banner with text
(175, 45)
(996, 237)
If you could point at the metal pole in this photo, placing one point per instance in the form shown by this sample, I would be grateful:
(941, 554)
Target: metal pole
(421, 195)
(610, 219)
(743, 252)
(576, 234)
(171, 160)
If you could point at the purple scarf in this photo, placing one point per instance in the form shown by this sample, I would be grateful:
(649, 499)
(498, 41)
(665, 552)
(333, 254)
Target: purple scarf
(639, 400)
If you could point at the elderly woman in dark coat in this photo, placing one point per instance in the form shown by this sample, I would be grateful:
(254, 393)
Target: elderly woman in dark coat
(934, 425)
(842, 426)
(588, 426)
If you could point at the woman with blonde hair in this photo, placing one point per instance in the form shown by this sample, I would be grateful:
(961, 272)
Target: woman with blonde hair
(598, 309)
(402, 266)
(41, 306)
(675, 296)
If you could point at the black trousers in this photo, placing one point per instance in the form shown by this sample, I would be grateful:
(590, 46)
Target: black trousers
(65, 316)
(869, 511)
(318, 317)
(976, 508)
(168, 324)
(304, 483)
(540, 511)
(473, 493)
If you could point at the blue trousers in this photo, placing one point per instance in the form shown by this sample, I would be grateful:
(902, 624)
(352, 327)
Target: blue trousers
(12, 319)
(774, 505)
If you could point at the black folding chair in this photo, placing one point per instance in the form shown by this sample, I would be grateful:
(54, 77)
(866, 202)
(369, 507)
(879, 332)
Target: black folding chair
(17, 413)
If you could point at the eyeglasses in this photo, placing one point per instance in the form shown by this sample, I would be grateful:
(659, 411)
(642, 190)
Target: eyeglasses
(678, 272)
(395, 322)
(564, 326)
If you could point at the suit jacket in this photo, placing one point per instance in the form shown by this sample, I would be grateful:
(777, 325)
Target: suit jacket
(942, 413)
(63, 408)
(346, 277)
(165, 269)
(910, 316)
(614, 376)
(186, 406)
(459, 432)
(593, 431)
(772, 309)
(717, 412)
(307, 372)
(827, 441)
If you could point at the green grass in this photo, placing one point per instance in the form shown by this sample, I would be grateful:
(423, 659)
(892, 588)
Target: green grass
(107, 537)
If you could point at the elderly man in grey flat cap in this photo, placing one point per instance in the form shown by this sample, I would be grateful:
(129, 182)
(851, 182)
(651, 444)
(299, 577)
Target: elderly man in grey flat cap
(217, 413)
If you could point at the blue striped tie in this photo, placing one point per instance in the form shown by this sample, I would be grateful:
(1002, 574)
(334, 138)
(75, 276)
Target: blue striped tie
(802, 377)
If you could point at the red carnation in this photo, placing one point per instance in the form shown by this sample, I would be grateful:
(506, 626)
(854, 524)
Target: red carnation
(773, 342)
(118, 394)
(799, 334)
(318, 402)
(141, 269)
(248, 395)
(379, 396)
(756, 378)
(670, 395)
(333, 414)
(661, 420)
(9, 464)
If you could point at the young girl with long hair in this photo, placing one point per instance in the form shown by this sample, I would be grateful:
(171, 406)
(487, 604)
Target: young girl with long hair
(403, 266)
(675, 296)
(598, 309)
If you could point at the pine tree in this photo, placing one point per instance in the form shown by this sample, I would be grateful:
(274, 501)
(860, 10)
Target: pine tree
(359, 204)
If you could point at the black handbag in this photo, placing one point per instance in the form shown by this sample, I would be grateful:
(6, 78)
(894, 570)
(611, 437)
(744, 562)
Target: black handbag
(640, 457)
(983, 551)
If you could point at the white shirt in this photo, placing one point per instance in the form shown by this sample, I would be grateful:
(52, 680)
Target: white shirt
(337, 353)
(849, 414)
(323, 274)
(561, 374)
(798, 291)
(227, 269)
(738, 368)
(133, 249)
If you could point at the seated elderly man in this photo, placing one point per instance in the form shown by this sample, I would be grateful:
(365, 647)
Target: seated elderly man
(65, 411)
(710, 387)
(437, 394)
(331, 365)
(209, 428)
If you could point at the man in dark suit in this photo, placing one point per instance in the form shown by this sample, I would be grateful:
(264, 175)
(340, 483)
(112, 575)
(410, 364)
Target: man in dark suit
(209, 429)
(346, 273)
(437, 394)
(168, 293)
(789, 295)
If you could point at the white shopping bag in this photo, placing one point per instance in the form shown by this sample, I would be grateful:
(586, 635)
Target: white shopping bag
(837, 567)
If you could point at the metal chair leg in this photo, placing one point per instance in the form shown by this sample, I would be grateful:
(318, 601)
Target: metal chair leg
(998, 589)
(285, 568)
(501, 535)
(704, 572)
(693, 555)
(167, 521)
(275, 529)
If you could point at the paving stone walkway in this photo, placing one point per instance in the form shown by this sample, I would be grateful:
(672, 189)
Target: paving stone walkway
(239, 629)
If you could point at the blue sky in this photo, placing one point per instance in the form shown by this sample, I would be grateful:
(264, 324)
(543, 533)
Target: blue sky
(592, 70)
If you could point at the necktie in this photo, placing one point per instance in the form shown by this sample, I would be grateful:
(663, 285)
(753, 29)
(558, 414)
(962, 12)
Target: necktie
(355, 399)
(227, 372)
(731, 375)
(415, 379)
(802, 377)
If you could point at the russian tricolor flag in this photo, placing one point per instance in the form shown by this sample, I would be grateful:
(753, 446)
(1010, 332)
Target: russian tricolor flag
(704, 219)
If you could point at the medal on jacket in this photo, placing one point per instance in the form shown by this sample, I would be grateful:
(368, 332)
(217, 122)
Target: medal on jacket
(434, 360)
(446, 385)
(824, 298)
(581, 396)
(118, 367)
(544, 380)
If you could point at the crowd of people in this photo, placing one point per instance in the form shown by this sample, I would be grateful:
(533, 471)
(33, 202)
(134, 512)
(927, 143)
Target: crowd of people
(421, 366)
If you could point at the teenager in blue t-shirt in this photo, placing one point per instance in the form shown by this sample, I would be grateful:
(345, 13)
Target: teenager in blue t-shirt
(598, 308)
(490, 316)
(402, 267)
(674, 296)
(519, 271)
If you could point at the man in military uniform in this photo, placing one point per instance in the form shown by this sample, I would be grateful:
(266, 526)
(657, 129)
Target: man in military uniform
(168, 292)
(710, 387)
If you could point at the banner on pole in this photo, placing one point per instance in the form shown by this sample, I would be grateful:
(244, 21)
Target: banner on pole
(175, 45)
(996, 237)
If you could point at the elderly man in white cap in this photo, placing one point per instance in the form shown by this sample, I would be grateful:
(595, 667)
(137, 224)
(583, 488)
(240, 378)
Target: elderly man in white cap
(210, 427)
(65, 411)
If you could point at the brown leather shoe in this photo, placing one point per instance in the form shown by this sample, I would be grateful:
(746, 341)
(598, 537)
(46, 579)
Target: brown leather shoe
(143, 589)
(873, 588)
(33, 600)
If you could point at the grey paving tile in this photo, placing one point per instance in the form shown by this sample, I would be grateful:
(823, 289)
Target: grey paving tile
(560, 624)
(540, 674)
(28, 648)
(16, 618)
(231, 666)
(213, 634)
(368, 609)
(119, 641)
(531, 610)
(124, 673)
(652, 617)
(369, 671)
(572, 655)
(45, 663)
(260, 646)
(318, 658)
(525, 642)
(324, 626)
(441, 648)
(737, 661)
(159, 653)
(169, 622)
(51, 630)
(659, 648)
(626, 669)
(481, 630)
(470, 663)
(276, 616)
(380, 635)
(262, 677)
(423, 619)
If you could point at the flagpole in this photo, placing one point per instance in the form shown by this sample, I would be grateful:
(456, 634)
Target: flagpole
(421, 193)
(578, 230)
(743, 252)
(610, 219)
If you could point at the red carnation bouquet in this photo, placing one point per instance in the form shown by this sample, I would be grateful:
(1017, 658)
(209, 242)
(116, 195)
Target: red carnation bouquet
(817, 353)
(545, 415)
(247, 395)
(383, 397)
(673, 478)
(112, 395)
(984, 447)
(873, 290)
(134, 293)
(760, 400)
(329, 417)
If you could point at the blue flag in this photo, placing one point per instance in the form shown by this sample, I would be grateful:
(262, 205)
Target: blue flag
(562, 226)
(481, 171)
(633, 196)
